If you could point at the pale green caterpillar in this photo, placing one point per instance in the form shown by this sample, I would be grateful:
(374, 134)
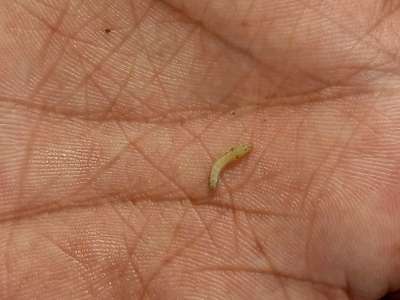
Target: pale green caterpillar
(233, 154)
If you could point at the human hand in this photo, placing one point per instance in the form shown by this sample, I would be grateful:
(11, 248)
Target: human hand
(113, 111)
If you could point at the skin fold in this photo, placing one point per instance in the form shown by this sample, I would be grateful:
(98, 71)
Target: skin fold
(113, 111)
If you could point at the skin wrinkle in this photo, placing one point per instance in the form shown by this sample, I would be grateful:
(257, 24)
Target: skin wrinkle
(49, 208)
(240, 50)
(169, 259)
(318, 91)
(97, 174)
(156, 75)
(263, 154)
(266, 272)
(7, 260)
(361, 122)
(273, 271)
(280, 276)
(164, 174)
(311, 180)
(75, 259)
(217, 218)
(41, 192)
(338, 161)
(146, 120)
(385, 17)
(296, 150)
(44, 52)
(205, 128)
(73, 37)
(317, 202)
(131, 255)
(326, 181)
(241, 80)
(235, 217)
(308, 241)
(45, 188)
(134, 266)
(160, 171)
(192, 65)
(285, 79)
(206, 226)
(89, 76)
(359, 38)
(207, 70)
(199, 139)
(194, 138)
(206, 7)
(307, 74)
(54, 207)
(174, 256)
(112, 161)
(200, 114)
(29, 149)
(248, 54)
(29, 152)
(162, 119)
(177, 228)
(111, 268)
(268, 260)
(145, 285)
(112, 102)
(94, 177)
(246, 15)
(96, 67)
(132, 250)
(235, 213)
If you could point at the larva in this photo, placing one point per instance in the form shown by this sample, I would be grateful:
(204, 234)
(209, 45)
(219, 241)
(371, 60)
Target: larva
(233, 154)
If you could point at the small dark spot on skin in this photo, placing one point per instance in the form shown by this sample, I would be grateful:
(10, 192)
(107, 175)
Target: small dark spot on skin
(230, 150)
(233, 113)
(107, 30)
(237, 156)
(244, 23)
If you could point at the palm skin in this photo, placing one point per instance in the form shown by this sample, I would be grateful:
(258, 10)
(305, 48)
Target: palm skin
(113, 111)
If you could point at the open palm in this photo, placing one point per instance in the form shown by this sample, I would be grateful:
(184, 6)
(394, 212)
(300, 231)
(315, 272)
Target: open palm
(112, 113)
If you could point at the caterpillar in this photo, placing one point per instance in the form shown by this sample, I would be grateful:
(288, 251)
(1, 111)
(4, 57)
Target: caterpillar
(233, 154)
